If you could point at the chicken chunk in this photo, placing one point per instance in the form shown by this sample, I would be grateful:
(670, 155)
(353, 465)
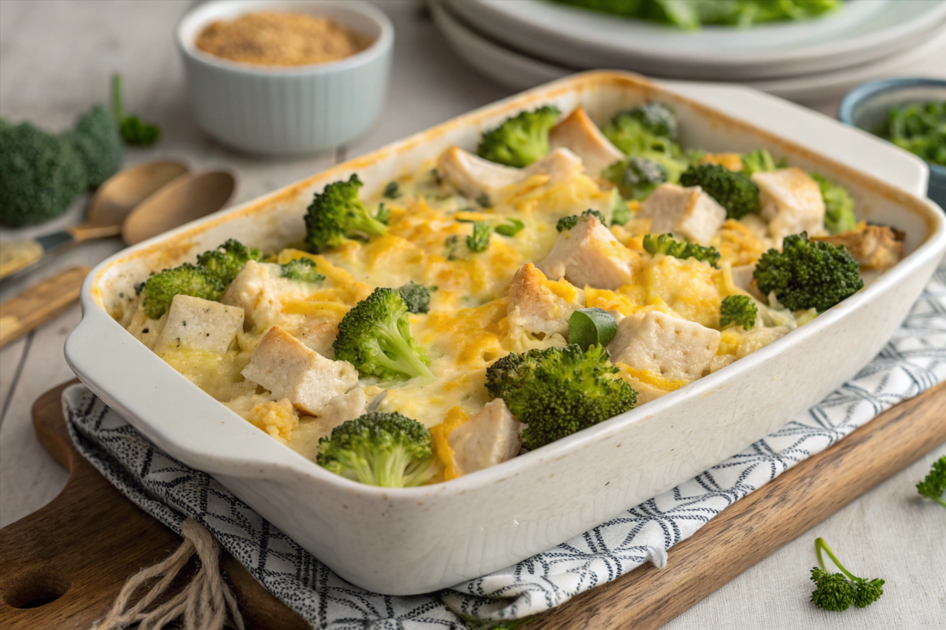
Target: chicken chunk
(343, 408)
(473, 176)
(287, 368)
(674, 348)
(260, 290)
(488, 438)
(791, 203)
(145, 329)
(689, 212)
(873, 246)
(197, 324)
(539, 305)
(589, 255)
(581, 136)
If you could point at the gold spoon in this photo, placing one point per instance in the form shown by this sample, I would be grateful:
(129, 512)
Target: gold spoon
(181, 201)
(107, 209)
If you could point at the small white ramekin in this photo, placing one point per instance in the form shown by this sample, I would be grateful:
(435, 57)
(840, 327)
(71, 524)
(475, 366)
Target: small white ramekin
(288, 111)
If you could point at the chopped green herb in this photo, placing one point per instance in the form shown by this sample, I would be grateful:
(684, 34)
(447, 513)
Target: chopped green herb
(514, 227)
(837, 591)
(478, 242)
(392, 190)
(934, 486)
(484, 201)
(591, 326)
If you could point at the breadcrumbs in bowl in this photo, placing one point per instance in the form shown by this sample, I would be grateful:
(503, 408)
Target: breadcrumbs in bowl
(280, 39)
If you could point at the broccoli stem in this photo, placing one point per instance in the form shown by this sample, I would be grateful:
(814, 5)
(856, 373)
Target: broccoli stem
(389, 468)
(406, 361)
(362, 469)
(821, 544)
(369, 225)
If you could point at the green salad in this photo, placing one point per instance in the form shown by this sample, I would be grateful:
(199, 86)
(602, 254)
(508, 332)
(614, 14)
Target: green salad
(919, 128)
(692, 14)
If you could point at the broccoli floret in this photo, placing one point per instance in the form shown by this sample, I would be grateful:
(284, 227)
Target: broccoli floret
(478, 242)
(665, 244)
(41, 174)
(838, 206)
(558, 391)
(635, 177)
(95, 136)
(415, 296)
(760, 161)
(738, 310)
(837, 591)
(392, 190)
(227, 260)
(808, 274)
(520, 140)
(301, 270)
(380, 449)
(159, 290)
(383, 214)
(132, 129)
(650, 127)
(375, 337)
(336, 213)
(567, 223)
(733, 190)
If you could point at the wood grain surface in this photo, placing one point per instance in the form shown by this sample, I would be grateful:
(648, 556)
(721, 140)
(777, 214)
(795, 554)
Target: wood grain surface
(63, 565)
(40, 303)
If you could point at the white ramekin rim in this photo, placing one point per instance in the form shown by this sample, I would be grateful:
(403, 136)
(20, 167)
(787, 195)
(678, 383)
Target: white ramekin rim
(205, 13)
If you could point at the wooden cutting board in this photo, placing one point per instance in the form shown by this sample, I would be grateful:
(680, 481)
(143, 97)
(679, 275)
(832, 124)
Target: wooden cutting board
(63, 565)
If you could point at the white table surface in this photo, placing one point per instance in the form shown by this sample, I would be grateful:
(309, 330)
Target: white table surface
(55, 61)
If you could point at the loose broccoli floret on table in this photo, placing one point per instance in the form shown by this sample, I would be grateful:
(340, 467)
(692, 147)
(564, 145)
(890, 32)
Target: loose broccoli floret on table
(132, 129)
(808, 274)
(227, 260)
(567, 223)
(375, 337)
(159, 290)
(838, 206)
(520, 140)
(415, 296)
(934, 485)
(837, 591)
(301, 270)
(95, 136)
(380, 449)
(735, 191)
(336, 213)
(665, 244)
(650, 127)
(40, 174)
(558, 391)
(738, 310)
(635, 177)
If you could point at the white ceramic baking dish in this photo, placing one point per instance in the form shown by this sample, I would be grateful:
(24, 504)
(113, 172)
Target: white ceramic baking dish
(409, 541)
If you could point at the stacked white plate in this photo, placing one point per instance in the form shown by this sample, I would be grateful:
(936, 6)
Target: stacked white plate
(522, 43)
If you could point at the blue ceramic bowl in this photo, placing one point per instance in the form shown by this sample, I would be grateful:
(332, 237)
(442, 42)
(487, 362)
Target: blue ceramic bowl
(865, 107)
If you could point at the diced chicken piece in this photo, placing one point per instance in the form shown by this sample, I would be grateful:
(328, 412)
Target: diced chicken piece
(343, 408)
(197, 324)
(260, 290)
(688, 212)
(581, 136)
(589, 255)
(488, 438)
(145, 329)
(742, 277)
(674, 348)
(539, 305)
(791, 203)
(873, 246)
(473, 176)
(287, 368)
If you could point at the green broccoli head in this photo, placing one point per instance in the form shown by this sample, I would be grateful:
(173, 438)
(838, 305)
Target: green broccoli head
(635, 177)
(808, 274)
(760, 161)
(336, 213)
(838, 206)
(132, 129)
(734, 191)
(665, 244)
(559, 391)
(642, 129)
(301, 270)
(415, 296)
(227, 260)
(380, 449)
(375, 337)
(41, 174)
(738, 310)
(521, 140)
(567, 223)
(159, 290)
(96, 137)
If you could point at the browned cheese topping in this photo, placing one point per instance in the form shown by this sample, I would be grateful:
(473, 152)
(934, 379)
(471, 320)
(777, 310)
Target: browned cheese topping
(280, 39)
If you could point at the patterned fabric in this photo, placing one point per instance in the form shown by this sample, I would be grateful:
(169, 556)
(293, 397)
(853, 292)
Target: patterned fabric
(913, 361)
